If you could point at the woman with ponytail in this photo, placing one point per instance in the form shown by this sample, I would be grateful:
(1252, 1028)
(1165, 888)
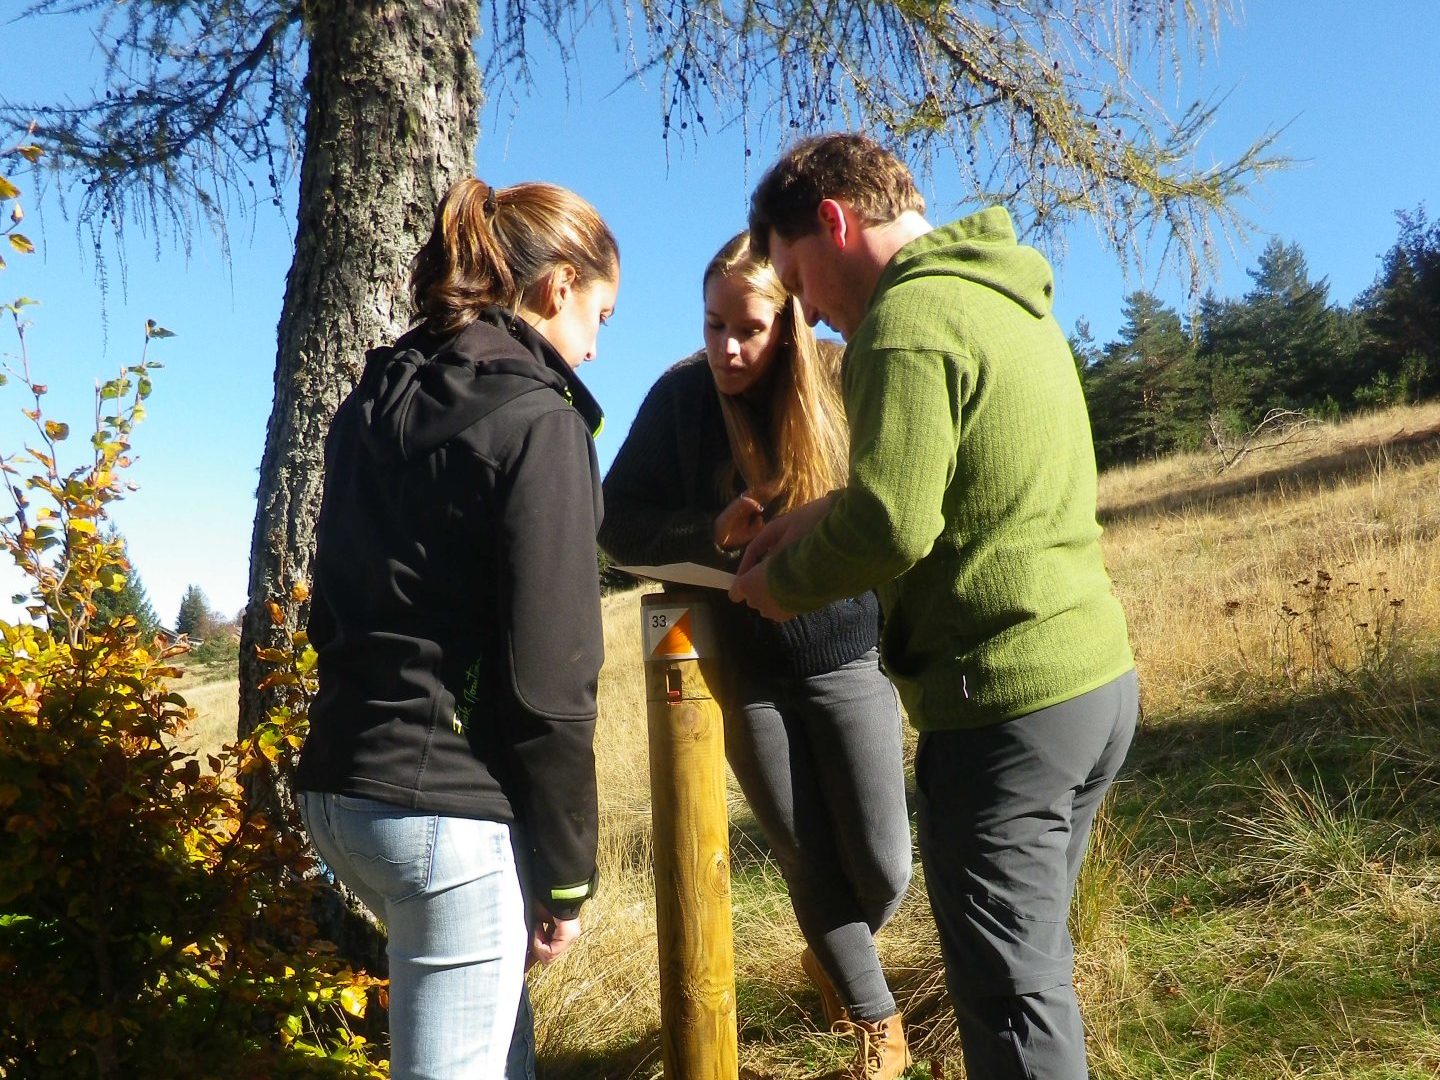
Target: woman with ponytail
(448, 777)
(748, 428)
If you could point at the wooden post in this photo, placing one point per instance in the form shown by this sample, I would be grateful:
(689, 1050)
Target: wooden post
(692, 842)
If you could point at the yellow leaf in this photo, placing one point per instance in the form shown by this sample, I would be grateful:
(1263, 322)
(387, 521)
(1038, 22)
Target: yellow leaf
(21, 243)
(300, 592)
(352, 1000)
(7, 189)
(277, 613)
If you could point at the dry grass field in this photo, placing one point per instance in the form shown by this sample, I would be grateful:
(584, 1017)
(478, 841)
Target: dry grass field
(216, 701)
(1263, 898)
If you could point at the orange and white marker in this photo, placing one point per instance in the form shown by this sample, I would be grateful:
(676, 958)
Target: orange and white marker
(676, 633)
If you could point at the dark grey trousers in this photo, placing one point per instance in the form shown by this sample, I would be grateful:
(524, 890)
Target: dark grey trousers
(1005, 815)
(819, 761)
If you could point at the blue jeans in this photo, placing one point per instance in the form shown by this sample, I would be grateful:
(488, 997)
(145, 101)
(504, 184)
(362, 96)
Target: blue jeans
(448, 891)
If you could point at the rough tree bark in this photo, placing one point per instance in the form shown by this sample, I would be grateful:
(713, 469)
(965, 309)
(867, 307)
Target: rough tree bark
(394, 102)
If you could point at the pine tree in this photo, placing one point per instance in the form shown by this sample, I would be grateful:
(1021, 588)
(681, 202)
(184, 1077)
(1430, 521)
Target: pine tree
(1144, 391)
(195, 619)
(1283, 345)
(132, 599)
(1401, 311)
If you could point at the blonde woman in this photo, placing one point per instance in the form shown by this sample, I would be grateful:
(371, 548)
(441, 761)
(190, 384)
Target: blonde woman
(747, 429)
(448, 777)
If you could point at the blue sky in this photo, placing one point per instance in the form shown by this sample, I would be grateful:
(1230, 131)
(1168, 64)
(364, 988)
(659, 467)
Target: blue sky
(1356, 89)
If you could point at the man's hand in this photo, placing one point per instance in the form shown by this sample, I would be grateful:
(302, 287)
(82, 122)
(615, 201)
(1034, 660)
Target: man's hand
(739, 523)
(752, 588)
(750, 585)
(550, 937)
(784, 531)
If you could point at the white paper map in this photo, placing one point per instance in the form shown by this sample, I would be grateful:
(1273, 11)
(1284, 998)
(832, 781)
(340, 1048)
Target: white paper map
(683, 573)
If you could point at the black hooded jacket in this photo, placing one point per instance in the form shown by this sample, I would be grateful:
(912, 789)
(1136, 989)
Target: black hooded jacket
(455, 604)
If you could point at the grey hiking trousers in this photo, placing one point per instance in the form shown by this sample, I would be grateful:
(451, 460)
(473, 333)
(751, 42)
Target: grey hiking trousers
(1004, 821)
(819, 761)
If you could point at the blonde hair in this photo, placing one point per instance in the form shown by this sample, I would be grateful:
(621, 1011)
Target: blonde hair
(489, 246)
(792, 447)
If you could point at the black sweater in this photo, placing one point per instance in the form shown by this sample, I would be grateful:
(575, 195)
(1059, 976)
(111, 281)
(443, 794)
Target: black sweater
(456, 606)
(662, 496)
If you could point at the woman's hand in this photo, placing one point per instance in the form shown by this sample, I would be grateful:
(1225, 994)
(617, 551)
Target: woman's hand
(550, 937)
(739, 523)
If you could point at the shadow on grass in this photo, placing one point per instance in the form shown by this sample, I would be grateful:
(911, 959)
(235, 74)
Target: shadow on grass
(766, 1014)
(1283, 855)
(640, 1058)
(1404, 449)
(1375, 743)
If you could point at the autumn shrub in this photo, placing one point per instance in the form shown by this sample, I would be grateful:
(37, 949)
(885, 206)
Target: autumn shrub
(150, 925)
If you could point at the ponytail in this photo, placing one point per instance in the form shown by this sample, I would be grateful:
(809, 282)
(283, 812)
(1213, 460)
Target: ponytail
(489, 246)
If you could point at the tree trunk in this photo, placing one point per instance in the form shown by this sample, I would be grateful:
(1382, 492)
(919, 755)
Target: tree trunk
(394, 103)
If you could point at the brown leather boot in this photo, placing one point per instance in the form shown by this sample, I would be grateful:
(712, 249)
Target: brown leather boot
(882, 1054)
(831, 1006)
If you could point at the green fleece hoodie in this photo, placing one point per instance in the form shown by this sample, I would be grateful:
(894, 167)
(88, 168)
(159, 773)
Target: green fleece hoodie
(971, 499)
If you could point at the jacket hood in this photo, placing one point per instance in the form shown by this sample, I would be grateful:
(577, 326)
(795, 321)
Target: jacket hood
(979, 248)
(424, 390)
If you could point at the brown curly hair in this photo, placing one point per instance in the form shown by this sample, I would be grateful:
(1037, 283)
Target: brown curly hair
(841, 165)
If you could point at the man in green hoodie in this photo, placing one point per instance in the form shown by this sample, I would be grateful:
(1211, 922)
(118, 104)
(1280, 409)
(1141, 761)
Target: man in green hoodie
(970, 507)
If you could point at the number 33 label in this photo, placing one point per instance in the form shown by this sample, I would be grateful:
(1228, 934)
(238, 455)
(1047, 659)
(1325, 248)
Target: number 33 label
(670, 633)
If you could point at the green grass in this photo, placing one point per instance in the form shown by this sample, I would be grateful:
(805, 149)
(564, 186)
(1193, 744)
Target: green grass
(1280, 879)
